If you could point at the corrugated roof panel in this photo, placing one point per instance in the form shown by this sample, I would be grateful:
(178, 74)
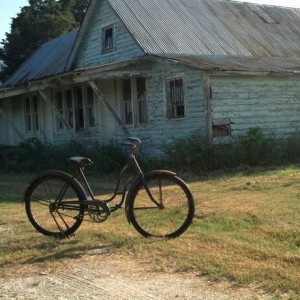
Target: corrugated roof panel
(221, 29)
(210, 27)
(247, 64)
(50, 59)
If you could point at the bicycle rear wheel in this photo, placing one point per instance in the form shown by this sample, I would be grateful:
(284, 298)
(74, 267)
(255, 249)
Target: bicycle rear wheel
(171, 212)
(52, 204)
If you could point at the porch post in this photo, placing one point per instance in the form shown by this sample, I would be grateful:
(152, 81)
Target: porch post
(109, 107)
(2, 113)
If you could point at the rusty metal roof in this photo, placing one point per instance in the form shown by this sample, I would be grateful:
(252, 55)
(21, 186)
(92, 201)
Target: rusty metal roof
(237, 63)
(211, 27)
(207, 34)
(50, 59)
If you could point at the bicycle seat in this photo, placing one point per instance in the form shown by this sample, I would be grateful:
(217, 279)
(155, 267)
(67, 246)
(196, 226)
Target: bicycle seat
(81, 161)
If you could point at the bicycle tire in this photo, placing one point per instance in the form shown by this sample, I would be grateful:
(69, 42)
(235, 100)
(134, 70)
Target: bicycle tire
(178, 206)
(61, 220)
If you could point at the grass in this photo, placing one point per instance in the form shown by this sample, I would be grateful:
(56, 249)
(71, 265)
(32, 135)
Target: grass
(246, 230)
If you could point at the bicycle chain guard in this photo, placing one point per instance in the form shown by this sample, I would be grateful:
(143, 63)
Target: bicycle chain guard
(99, 211)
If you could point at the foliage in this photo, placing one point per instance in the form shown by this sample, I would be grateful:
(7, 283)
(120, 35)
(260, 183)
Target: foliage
(37, 23)
(293, 148)
(191, 154)
(33, 155)
(257, 148)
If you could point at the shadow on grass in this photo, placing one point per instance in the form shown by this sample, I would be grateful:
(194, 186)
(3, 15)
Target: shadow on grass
(73, 250)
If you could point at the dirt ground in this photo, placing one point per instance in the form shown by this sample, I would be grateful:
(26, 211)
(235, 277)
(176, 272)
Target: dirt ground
(100, 275)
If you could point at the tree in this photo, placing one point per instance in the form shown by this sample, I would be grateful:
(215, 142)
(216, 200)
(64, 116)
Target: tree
(37, 23)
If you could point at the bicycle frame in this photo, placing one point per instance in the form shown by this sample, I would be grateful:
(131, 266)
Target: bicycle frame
(69, 198)
(139, 176)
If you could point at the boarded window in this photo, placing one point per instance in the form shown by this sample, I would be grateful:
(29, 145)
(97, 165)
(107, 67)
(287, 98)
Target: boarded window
(221, 127)
(175, 98)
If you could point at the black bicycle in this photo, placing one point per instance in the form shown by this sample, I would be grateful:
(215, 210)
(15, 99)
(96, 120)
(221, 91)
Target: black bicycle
(157, 203)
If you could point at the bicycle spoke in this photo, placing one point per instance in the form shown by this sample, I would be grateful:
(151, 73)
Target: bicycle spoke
(173, 213)
(53, 204)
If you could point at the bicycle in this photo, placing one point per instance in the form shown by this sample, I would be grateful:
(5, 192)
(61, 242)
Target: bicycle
(157, 203)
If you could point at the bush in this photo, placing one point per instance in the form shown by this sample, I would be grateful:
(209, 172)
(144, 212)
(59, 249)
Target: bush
(193, 154)
(34, 156)
(256, 148)
(293, 148)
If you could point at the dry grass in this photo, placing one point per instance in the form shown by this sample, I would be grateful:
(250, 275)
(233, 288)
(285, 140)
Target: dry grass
(246, 229)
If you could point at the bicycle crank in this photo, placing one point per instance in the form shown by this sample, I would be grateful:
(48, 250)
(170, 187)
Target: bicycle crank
(98, 211)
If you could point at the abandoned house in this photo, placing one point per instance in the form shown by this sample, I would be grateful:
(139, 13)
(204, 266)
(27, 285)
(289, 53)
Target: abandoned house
(159, 69)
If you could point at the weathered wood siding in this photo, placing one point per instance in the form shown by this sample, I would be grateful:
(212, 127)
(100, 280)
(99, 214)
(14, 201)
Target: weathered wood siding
(160, 129)
(272, 103)
(4, 130)
(90, 52)
(18, 119)
(13, 109)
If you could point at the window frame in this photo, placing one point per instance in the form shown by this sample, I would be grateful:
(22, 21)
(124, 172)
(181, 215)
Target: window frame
(221, 128)
(141, 104)
(32, 114)
(173, 109)
(78, 118)
(112, 44)
(138, 107)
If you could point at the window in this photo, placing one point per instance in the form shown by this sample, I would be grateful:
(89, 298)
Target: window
(126, 102)
(60, 108)
(141, 101)
(32, 114)
(133, 101)
(175, 98)
(90, 107)
(77, 107)
(108, 39)
(69, 108)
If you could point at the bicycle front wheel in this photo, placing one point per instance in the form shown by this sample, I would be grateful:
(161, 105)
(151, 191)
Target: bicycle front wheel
(52, 204)
(163, 207)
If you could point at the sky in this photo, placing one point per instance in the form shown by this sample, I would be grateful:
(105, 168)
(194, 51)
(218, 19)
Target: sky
(10, 8)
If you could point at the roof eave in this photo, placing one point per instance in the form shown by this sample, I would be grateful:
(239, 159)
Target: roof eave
(87, 19)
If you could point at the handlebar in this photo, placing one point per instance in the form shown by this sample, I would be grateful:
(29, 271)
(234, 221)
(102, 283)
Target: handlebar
(134, 143)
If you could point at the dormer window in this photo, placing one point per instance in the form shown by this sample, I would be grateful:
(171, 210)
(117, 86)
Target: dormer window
(108, 38)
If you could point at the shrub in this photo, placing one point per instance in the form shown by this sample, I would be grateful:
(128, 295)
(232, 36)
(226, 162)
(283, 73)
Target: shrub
(256, 148)
(293, 148)
(32, 155)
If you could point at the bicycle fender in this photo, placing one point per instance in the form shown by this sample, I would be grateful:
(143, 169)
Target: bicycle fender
(82, 193)
(138, 181)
